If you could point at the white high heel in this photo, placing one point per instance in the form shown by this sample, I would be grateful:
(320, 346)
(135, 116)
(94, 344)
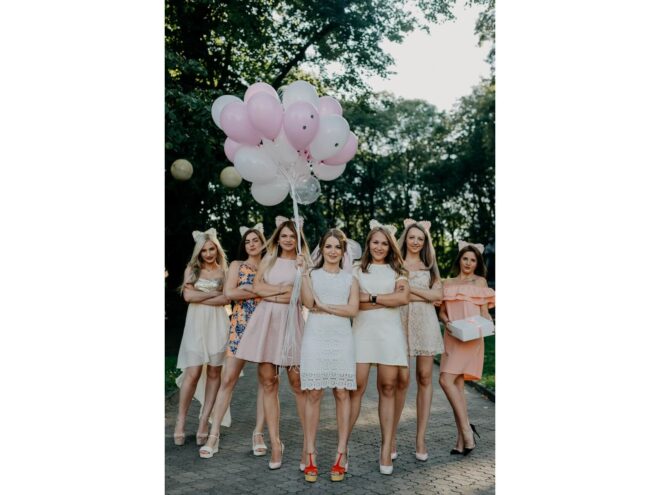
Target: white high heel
(422, 457)
(385, 469)
(207, 452)
(256, 447)
(277, 465)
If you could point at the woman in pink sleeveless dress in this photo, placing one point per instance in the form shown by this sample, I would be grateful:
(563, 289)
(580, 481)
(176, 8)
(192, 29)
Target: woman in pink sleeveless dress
(266, 332)
(466, 294)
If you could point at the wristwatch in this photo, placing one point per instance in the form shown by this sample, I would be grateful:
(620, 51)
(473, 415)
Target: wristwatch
(372, 298)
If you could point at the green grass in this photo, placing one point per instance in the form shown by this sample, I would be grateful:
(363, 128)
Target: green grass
(171, 372)
(488, 375)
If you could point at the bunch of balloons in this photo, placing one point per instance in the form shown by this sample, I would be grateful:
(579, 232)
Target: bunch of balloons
(285, 147)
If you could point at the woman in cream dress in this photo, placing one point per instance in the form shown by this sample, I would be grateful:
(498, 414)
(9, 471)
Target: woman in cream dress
(420, 322)
(206, 330)
(378, 332)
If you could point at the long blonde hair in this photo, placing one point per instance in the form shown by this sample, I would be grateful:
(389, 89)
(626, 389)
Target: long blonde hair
(273, 249)
(195, 263)
(427, 254)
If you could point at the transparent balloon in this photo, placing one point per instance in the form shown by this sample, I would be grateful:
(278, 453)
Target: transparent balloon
(307, 190)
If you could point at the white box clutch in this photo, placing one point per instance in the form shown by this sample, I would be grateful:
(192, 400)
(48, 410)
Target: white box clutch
(471, 328)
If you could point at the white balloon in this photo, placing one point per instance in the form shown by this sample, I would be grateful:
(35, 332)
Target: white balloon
(328, 172)
(298, 169)
(272, 193)
(331, 137)
(255, 165)
(230, 178)
(299, 91)
(219, 104)
(181, 169)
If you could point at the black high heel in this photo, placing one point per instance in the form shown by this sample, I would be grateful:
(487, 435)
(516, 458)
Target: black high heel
(466, 451)
(455, 451)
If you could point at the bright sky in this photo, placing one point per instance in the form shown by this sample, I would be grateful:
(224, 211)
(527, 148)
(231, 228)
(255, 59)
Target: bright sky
(438, 67)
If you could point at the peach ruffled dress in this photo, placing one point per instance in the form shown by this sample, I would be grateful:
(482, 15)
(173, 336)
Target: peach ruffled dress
(462, 301)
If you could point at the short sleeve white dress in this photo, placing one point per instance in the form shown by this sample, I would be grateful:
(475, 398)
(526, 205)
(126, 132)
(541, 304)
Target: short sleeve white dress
(378, 333)
(327, 358)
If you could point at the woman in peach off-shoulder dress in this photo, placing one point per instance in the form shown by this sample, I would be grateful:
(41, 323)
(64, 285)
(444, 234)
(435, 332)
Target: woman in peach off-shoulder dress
(465, 294)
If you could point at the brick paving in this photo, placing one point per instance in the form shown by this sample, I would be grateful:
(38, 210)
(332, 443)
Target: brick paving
(234, 470)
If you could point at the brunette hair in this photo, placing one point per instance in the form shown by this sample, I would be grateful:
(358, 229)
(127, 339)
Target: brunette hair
(480, 268)
(393, 257)
(343, 244)
(242, 252)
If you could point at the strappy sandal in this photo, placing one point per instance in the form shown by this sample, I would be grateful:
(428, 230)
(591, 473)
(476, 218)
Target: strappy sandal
(206, 452)
(258, 449)
(337, 472)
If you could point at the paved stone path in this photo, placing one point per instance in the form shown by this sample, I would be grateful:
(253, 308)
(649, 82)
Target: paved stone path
(235, 470)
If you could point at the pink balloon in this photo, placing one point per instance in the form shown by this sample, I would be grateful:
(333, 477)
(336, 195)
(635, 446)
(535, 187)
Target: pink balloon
(231, 147)
(236, 124)
(301, 122)
(329, 106)
(260, 87)
(266, 114)
(346, 153)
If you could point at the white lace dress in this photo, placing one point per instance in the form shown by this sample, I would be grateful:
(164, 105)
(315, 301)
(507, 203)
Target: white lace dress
(420, 320)
(327, 358)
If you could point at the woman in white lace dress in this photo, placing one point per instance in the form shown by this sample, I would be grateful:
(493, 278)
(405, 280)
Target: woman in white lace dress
(206, 331)
(420, 321)
(327, 358)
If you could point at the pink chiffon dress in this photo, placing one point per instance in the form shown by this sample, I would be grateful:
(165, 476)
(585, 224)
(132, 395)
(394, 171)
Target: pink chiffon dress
(264, 334)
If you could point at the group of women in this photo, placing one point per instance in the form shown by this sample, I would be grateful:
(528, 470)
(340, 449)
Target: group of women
(381, 310)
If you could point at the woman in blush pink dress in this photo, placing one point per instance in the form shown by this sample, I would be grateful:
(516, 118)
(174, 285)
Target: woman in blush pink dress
(465, 294)
(266, 332)
(206, 330)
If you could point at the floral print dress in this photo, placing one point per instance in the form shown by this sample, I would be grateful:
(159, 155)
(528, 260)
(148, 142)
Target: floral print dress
(242, 310)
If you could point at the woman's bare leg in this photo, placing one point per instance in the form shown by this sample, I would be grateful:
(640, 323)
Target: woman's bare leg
(270, 381)
(387, 383)
(424, 374)
(361, 378)
(294, 381)
(403, 381)
(190, 378)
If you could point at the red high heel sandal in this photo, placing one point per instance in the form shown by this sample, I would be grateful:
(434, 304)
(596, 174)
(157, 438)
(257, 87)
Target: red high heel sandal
(337, 472)
(311, 471)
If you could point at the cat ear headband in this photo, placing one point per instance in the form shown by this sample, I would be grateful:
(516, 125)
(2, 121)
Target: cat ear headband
(259, 227)
(479, 247)
(279, 220)
(375, 223)
(198, 236)
(424, 223)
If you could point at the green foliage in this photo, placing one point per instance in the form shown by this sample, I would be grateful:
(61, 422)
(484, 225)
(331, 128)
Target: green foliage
(171, 372)
(413, 161)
